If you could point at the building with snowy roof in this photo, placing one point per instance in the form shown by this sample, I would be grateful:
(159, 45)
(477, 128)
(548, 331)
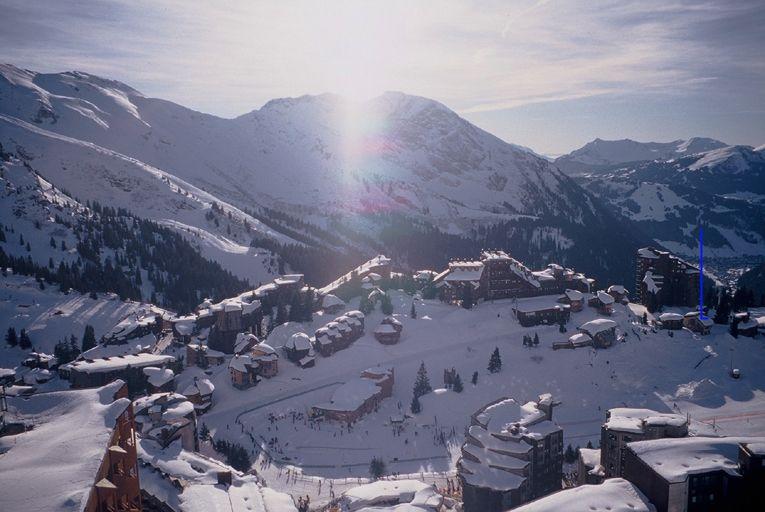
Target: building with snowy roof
(339, 333)
(165, 418)
(512, 454)
(159, 380)
(745, 324)
(601, 330)
(200, 393)
(80, 455)
(89, 373)
(699, 473)
(624, 425)
(602, 302)
(614, 495)
(671, 321)
(573, 298)
(332, 303)
(692, 320)
(589, 469)
(357, 397)
(663, 279)
(543, 310)
(389, 331)
(299, 350)
(391, 496)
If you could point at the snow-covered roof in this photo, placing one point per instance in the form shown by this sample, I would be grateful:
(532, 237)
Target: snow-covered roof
(242, 363)
(580, 337)
(668, 317)
(392, 496)
(613, 495)
(199, 386)
(465, 271)
(675, 459)
(264, 352)
(385, 329)
(351, 395)
(425, 275)
(172, 406)
(158, 377)
(604, 297)
(244, 340)
(288, 279)
(54, 465)
(121, 362)
(627, 419)
(617, 288)
(596, 326)
(298, 341)
(574, 294)
(329, 301)
(355, 314)
(647, 252)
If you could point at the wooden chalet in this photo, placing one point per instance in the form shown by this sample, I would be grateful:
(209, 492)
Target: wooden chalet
(693, 321)
(541, 311)
(299, 350)
(602, 302)
(601, 330)
(671, 321)
(573, 298)
(389, 331)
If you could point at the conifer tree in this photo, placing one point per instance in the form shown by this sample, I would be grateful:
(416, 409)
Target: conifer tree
(376, 468)
(474, 380)
(495, 361)
(415, 406)
(570, 455)
(457, 386)
(723, 309)
(11, 338)
(88, 338)
(536, 339)
(386, 306)
(24, 342)
(422, 383)
(413, 311)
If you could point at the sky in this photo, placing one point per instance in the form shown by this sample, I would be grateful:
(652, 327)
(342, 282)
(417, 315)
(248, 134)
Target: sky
(547, 74)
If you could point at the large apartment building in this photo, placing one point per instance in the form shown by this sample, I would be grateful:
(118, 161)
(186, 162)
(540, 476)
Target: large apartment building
(663, 279)
(512, 454)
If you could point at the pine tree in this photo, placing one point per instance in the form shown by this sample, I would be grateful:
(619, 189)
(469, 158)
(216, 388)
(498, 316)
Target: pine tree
(589, 445)
(296, 309)
(415, 406)
(413, 311)
(723, 309)
(474, 380)
(422, 383)
(308, 306)
(88, 338)
(376, 468)
(11, 338)
(24, 342)
(204, 432)
(74, 350)
(570, 455)
(386, 306)
(733, 329)
(536, 339)
(52, 242)
(495, 362)
(645, 317)
(457, 385)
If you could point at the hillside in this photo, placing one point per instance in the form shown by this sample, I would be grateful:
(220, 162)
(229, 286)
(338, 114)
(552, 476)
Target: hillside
(349, 176)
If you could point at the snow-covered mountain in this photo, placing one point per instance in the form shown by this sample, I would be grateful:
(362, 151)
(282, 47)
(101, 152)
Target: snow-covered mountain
(723, 188)
(320, 158)
(600, 154)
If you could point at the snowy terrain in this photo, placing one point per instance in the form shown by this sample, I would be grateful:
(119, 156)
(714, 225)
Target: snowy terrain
(314, 157)
(685, 373)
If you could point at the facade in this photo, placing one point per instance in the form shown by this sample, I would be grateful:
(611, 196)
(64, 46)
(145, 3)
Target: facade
(573, 298)
(671, 321)
(624, 425)
(82, 456)
(339, 333)
(533, 313)
(453, 283)
(357, 397)
(602, 302)
(699, 474)
(663, 279)
(512, 454)
(589, 469)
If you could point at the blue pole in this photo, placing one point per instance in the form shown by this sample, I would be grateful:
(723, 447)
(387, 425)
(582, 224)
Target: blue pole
(701, 272)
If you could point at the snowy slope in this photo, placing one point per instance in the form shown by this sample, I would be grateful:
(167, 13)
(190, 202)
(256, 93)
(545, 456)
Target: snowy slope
(724, 187)
(604, 153)
(314, 157)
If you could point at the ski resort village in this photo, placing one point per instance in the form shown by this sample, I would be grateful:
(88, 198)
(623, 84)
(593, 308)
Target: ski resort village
(484, 386)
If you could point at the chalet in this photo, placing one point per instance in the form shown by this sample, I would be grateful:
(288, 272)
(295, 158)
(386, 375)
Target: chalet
(267, 359)
(693, 321)
(663, 279)
(357, 397)
(165, 418)
(89, 373)
(602, 302)
(7, 376)
(601, 330)
(371, 281)
(40, 360)
(332, 304)
(541, 311)
(200, 394)
(184, 328)
(245, 342)
(243, 371)
(745, 324)
(81, 455)
(573, 298)
(671, 321)
(299, 350)
(203, 356)
(389, 331)
(512, 454)
(624, 425)
(159, 380)
(618, 292)
(698, 473)
(577, 340)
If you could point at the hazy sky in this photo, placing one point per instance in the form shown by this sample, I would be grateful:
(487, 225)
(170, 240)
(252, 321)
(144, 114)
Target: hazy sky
(547, 74)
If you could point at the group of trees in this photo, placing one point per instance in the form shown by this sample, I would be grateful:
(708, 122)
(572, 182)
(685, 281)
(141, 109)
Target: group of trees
(21, 340)
(116, 249)
(236, 455)
(528, 341)
(68, 350)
